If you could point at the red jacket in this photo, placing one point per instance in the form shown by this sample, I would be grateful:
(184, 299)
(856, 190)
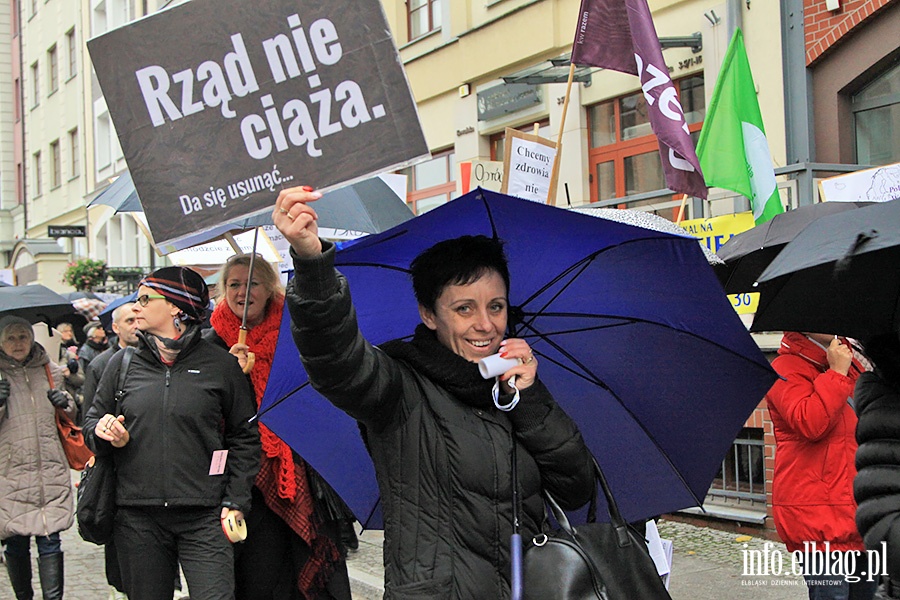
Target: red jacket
(815, 427)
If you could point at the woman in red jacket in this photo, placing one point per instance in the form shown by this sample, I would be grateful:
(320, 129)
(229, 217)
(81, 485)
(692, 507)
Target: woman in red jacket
(812, 489)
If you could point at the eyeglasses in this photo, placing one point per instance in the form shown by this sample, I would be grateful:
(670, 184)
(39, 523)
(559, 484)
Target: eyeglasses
(143, 300)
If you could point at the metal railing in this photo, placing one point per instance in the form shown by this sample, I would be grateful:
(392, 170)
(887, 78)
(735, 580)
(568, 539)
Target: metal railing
(742, 474)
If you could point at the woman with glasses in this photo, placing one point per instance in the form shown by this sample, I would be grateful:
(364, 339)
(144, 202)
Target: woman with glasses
(292, 548)
(185, 450)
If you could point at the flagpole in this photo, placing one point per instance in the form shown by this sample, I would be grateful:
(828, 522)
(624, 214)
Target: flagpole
(562, 124)
(684, 198)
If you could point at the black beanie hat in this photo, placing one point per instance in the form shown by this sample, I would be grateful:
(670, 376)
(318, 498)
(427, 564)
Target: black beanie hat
(182, 287)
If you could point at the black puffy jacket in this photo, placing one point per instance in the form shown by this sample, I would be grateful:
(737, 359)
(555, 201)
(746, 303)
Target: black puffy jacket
(877, 484)
(177, 416)
(443, 466)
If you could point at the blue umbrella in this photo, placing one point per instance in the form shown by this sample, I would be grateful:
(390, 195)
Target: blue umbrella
(635, 339)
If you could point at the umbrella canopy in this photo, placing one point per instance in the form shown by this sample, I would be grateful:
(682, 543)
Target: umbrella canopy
(120, 195)
(746, 255)
(105, 315)
(34, 303)
(89, 307)
(635, 338)
(840, 275)
(368, 206)
(640, 218)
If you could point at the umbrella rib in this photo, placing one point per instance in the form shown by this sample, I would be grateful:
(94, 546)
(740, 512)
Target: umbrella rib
(260, 413)
(600, 383)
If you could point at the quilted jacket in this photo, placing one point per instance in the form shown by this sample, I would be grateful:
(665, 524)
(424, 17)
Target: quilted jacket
(35, 484)
(443, 466)
(815, 427)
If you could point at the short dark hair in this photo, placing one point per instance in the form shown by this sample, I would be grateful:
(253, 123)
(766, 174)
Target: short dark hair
(459, 261)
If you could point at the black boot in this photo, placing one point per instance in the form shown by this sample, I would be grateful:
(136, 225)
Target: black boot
(50, 568)
(19, 569)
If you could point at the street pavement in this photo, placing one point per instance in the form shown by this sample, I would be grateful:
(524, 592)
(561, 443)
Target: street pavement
(707, 565)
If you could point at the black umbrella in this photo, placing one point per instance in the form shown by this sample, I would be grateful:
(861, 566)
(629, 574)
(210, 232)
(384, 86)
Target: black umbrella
(747, 254)
(840, 275)
(34, 303)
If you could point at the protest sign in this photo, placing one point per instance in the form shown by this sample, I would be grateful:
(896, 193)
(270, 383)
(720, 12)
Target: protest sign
(487, 174)
(219, 104)
(528, 167)
(880, 184)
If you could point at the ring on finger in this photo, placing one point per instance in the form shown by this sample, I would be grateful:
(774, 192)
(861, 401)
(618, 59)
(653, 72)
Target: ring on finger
(282, 211)
(288, 215)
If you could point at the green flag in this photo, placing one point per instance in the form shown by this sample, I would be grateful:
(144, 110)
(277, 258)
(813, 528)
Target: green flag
(733, 150)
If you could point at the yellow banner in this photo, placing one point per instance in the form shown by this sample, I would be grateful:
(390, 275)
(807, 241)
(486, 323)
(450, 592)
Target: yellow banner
(716, 231)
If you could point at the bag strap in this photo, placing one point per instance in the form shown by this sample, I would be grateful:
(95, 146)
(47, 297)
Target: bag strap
(123, 373)
(49, 375)
(615, 517)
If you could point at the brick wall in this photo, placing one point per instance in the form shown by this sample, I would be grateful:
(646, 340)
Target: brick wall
(824, 28)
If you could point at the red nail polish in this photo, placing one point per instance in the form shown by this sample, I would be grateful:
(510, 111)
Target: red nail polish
(503, 355)
(307, 188)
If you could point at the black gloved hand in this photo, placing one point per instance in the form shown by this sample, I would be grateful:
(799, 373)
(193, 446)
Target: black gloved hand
(58, 398)
(5, 389)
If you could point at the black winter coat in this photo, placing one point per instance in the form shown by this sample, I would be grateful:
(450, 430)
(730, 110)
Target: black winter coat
(442, 465)
(177, 417)
(877, 484)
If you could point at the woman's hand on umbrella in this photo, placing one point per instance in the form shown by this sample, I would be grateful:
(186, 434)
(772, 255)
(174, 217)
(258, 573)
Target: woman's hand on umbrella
(112, 429)
(296, 220)
(526, 372)
(240, 351)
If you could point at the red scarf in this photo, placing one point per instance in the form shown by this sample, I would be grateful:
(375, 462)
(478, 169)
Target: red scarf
(281, 480)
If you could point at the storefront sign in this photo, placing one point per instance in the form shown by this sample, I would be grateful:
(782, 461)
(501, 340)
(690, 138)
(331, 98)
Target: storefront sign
(58, 231)
(507, 98)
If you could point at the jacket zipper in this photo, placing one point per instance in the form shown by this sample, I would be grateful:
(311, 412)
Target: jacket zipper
(40, 461)
(165, 435)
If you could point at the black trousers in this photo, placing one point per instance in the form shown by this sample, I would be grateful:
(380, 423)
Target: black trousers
(152, 541)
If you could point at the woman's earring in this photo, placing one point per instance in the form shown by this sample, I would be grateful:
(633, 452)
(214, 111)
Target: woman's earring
(177, 323)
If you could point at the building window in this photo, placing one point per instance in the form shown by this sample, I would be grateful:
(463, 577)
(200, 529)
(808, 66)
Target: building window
(876, 112)
(73, 53)
(74, 167)
(55, 165)
(102, 141)
(37, 176)
(52, 69)
(624, 152)
(35, 84)
(424, 16)
(431, 183)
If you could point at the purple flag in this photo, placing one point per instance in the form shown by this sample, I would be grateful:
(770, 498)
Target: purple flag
(619, 35)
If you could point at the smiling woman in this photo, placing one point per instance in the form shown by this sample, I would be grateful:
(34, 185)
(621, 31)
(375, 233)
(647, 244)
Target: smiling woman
(287, 517)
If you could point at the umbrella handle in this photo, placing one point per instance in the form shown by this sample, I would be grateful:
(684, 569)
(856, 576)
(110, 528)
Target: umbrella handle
(251, 357)
(516, 566)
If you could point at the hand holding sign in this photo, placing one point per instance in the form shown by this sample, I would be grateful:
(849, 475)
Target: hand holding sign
(296, 220)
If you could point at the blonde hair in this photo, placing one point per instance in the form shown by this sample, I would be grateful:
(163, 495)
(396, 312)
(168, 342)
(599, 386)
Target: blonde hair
(263, 272)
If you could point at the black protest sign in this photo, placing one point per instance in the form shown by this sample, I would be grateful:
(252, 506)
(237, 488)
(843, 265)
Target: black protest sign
(219, 104)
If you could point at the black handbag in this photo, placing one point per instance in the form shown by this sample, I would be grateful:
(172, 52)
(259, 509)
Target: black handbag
(96, 497)
(607, 561)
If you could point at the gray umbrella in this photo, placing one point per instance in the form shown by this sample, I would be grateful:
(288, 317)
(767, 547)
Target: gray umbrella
(647, 220)
(840, 275)
(34, 303)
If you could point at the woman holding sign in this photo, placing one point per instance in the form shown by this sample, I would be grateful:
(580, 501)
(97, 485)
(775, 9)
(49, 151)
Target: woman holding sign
(439, 441)
(185, 450)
